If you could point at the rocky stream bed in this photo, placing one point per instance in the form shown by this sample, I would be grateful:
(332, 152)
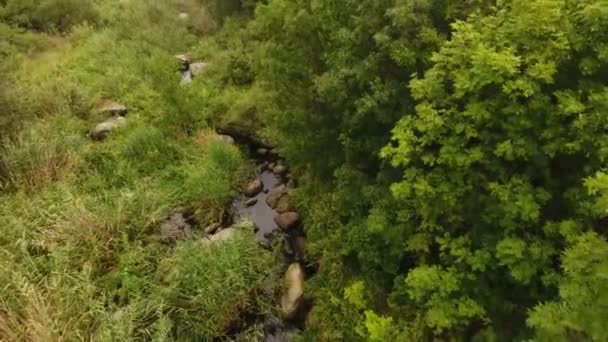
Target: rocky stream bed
(265, 205)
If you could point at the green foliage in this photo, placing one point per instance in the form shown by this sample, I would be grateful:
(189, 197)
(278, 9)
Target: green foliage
(208, 288)
(451, 158)
(582, 293)
(49, 15)
(457, 141)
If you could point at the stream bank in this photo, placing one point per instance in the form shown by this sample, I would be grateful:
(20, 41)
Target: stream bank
(267, 201)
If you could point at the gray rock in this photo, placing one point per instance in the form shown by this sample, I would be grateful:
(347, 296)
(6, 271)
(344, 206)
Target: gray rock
(227, 139)
(113, 108)
(212, 228)
(274, 197)
(294, 283)
(262, 152)
(251, 202)
(287, 221)
(279, 170)
(254, 188)
(183, 58)
(283, 205)
(101, 131)
(221, 236)
(199, 68)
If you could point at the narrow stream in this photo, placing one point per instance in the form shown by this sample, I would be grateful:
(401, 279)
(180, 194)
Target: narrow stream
(186, 77)
(261, 213)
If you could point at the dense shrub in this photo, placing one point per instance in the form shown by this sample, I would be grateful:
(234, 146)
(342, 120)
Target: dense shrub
(491, 114)
(49, 15)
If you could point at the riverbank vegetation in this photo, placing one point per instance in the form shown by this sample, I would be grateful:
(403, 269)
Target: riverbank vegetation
(83, 256)
(450, 160)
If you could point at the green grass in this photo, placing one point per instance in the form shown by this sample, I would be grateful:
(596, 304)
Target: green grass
(81, 256)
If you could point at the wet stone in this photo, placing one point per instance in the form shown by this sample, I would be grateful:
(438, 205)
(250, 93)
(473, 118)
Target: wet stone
(253, 188)
(283, 205)
(287, 221)
(274, 197)
(262, 152)
(279, 170)
(294, 283)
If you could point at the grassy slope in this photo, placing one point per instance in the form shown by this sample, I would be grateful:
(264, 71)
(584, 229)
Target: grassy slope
(81, 258)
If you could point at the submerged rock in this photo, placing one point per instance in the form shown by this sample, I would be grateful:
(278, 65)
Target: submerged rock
(253, 188)
(287, 221)
(294, 283)
(176, 228)
(113, 108)
(199, 68)
(101, 131)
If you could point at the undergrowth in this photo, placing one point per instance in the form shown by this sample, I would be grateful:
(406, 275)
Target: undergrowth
(81, 254)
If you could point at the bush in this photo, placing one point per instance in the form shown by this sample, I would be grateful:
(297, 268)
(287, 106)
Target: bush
(49, 15)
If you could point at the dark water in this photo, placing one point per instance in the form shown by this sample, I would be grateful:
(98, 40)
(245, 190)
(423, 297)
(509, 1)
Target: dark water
(261, 214)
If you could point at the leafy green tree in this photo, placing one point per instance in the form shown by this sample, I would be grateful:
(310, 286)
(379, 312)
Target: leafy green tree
(508, 123)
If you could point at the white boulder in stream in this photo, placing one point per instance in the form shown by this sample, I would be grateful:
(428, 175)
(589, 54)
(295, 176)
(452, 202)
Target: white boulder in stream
(101, 131)
(294, 284)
